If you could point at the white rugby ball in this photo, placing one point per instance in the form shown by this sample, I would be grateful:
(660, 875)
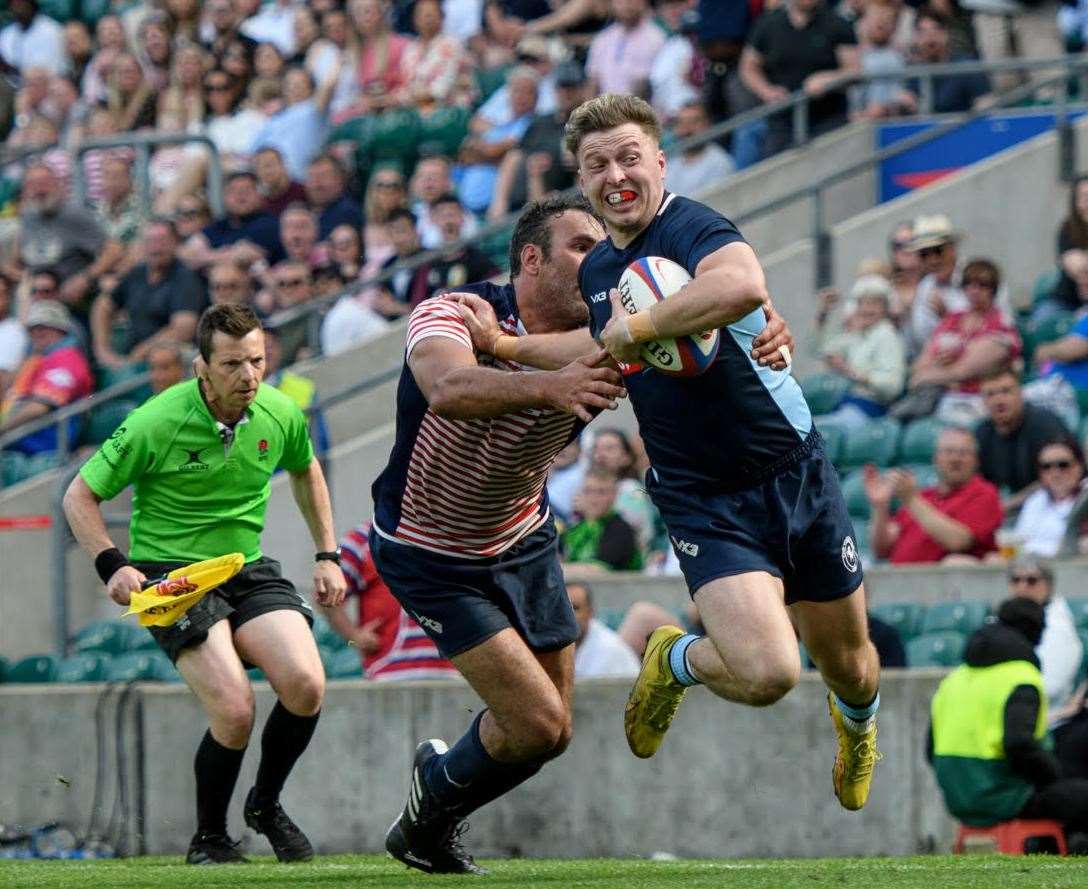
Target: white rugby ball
(652, 279)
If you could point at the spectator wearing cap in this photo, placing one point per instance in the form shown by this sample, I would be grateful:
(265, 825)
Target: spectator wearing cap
(162, 298)
(13, 338)
(1011, 436)
(245, 234)
(621, 56)
(867, 351)
(704, 166)
(277, 187)
(328, 196)
(55, 374)
(430, 181)
(31, 39)
(483, 152)
(935, 242)
(541, 164)
(297, 129)
(64, 237)
(438, 69)
(672, 83)
(800, 45)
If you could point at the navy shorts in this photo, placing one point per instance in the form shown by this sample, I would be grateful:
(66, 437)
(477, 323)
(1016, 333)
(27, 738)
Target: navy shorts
(461, 603)
(258, 588)
(793, 525)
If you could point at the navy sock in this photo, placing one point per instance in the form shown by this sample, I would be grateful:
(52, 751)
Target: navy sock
(284, 738)
(466, 777)
(216, 769)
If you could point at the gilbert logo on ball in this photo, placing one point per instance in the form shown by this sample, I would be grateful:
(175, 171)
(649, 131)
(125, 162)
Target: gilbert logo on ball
(652, 279)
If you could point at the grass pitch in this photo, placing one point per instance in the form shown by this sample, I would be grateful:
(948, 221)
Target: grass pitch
(360, 871)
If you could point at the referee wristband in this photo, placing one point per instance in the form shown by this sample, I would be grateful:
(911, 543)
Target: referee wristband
(108, 562)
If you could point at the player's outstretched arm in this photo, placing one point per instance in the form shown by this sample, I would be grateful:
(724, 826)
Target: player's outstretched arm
(84, 513)
(547, 351)
(312, 496)
(457, 387)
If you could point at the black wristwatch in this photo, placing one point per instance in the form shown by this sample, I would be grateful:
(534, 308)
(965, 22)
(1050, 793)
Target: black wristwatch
(333, 556)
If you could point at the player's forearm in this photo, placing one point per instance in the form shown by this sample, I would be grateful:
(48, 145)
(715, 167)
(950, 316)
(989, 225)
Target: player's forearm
(713, 299)
(476, 393)
(952, 535)
(81, 508)
(549, 351)
(312, 496)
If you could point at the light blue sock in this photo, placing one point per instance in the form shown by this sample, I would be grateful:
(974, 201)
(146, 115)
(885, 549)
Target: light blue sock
(855, 716)
(678, 660)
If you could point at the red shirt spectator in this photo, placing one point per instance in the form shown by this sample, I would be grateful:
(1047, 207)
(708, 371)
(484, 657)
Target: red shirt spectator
(398, 646)
(976, 504)
(958, 330)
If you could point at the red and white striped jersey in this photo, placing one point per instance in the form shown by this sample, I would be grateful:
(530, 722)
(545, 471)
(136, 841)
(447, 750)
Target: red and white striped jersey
(467, 488)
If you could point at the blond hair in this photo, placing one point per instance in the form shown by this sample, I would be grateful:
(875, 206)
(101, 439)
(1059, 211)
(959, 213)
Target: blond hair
(607, 112)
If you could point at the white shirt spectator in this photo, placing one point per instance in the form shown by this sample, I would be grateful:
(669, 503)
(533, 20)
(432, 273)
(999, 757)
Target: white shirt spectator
(687, 176)
(603, 653)
(14, 344)
(1042, 523)
(670, 88)
(349, 323)
(274, 23)
(563, 484)
(430, 236)
(40, 44)
(498, 111)
(1060, 653)
(462, 18)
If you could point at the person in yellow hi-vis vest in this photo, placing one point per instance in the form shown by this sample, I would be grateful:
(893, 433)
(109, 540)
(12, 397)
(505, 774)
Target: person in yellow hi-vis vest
(988, 742)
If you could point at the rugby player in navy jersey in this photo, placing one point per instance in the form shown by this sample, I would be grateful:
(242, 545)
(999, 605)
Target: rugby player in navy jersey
(462, 533)
(738, 472)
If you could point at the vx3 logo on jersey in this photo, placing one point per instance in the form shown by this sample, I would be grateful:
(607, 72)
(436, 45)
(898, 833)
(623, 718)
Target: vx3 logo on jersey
(685, 548)
(599, 297)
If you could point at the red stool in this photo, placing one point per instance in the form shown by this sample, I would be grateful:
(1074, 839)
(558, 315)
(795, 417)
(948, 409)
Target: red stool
(1009, 836)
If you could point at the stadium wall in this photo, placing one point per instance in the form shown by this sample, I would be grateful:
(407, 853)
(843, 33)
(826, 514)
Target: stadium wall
(729, 782)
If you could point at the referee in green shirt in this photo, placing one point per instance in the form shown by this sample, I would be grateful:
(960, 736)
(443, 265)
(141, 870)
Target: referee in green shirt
(199, 457)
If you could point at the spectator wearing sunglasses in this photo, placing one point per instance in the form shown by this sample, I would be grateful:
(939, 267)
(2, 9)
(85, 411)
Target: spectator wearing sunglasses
(1045, 514)
(1060, 649)
(935, 243)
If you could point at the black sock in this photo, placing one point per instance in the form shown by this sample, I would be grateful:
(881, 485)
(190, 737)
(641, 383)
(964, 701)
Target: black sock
(284, 738)
(466, 777)
(216, 769)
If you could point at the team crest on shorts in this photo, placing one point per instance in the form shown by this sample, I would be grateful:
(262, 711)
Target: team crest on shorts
(849, 554)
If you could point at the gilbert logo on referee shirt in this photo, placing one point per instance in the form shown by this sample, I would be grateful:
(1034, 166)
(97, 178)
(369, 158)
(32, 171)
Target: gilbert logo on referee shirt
(193, 463)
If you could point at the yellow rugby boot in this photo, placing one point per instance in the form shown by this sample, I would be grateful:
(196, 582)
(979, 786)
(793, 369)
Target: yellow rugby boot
(655, 696)
(855, 760)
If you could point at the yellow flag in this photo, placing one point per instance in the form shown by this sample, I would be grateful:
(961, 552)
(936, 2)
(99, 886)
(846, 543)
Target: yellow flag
(163, 602)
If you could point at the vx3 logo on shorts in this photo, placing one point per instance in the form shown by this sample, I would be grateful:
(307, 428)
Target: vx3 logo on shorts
(428, 623)
(194, 463)
(682, 547)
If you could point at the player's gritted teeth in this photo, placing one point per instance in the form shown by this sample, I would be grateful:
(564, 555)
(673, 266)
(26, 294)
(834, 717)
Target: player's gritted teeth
(621, 197)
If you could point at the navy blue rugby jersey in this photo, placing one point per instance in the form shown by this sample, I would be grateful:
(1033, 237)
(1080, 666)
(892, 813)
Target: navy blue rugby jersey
(730, 427)
(466, 488)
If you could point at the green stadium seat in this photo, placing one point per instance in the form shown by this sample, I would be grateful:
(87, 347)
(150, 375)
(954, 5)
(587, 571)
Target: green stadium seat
(89, 667)
(5, 665)
(611, 617)
(490, 79)
(103, 420)
(1083, 674)
(140, 666)
(1046, 330)
(36, 668)
(326, 655)
(345, 664)
(875, 442)
(443, 130)
(936, 650)
(1079, 607)
(824, 391)
(326, 636)
(918, 443)
(834, 437)
(58, 10)
(1045, 284)
(12, 468)
(906, 617)
(109, 636)
(961, 617)
(853, 492)
(865, 550)
(255, 674)
(142, 641)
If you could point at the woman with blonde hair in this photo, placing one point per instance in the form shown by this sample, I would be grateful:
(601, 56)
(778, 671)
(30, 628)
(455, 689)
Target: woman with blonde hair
(379, 67)
(186, 90)
(130, 98)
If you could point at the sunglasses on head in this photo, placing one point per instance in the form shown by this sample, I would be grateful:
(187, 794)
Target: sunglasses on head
(1055, 464)
(1028, 579)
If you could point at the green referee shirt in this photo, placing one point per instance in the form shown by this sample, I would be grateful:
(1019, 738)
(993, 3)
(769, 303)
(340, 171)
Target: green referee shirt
(193, 497)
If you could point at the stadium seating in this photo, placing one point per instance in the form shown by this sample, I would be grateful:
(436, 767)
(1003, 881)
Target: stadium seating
(1046, 330)
(110, 637)
(344, 664)
(853, 492)
(875, 442)
(1079, 607)
(36, 668)
(103, 420)
(1045, 283)
(834, 437)
(936, 650)
(906, 617)
(87, 667)
(919, 441)
(326, 636)
(824, 391)
(960, 617)
(4, 666)
(140, 666)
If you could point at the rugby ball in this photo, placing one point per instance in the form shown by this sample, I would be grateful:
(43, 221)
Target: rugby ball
(652, 279)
